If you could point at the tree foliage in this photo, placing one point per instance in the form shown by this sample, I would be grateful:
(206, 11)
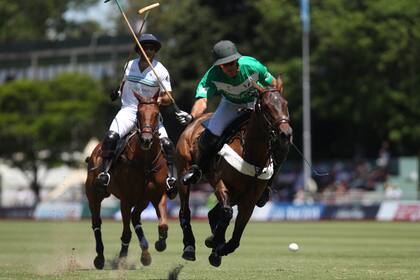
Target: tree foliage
(22, 20)
(41, 122)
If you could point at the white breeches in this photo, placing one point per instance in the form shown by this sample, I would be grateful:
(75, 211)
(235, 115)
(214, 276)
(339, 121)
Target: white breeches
(125, 121)
(225, 113)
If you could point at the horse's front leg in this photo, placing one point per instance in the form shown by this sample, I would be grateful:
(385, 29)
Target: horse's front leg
(185, 222)
(245, 209)
(145, 258)
(225, 215)
(126, 234)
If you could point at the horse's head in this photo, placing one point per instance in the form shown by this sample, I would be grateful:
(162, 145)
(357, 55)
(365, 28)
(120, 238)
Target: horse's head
(147, 119)
(273, 107)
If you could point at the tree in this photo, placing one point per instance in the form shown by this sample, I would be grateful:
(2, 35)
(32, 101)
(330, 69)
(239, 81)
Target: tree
(363, 77)
(39, 121)
(19, 22)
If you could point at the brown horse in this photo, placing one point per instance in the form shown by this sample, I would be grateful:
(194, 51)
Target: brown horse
(137, 177)
(267, 124)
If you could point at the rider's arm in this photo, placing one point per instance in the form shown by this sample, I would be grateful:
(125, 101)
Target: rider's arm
(199, 107)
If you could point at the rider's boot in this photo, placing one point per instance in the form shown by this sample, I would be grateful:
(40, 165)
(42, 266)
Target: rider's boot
(207, 147)
(108, 149)
(168, 151)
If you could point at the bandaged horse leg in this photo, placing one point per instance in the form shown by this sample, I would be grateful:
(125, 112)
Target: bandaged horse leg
(185, 223)
(160, 206)
(244, 214)
(168, 149)
(108, 149)
(225, 215)
(145, 258)
(126, 234)
(95, 208)
(213, 217)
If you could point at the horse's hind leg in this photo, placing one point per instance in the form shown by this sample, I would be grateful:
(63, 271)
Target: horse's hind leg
(145, 258)
(185, 222)
(225, 215)
(126, 234)
(95, 210)
(161, 212)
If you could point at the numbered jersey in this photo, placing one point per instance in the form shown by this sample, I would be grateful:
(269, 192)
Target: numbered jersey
(144, 83)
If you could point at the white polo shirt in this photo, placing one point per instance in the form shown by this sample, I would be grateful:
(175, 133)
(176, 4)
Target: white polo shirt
(144, 83)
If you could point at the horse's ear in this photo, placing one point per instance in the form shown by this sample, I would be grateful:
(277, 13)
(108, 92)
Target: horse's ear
(256, 86)
(280, 85)
(137, 95)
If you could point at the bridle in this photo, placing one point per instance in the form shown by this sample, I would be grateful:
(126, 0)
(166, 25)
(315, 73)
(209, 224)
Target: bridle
(141, 128)
(272, 124)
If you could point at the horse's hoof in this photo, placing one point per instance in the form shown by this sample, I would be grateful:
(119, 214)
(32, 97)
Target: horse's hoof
(209, 242)
(172, 192)
(122, 263)
(189, 253)
(160, 245)
(215, 260)
(145, 258)
(99, 262)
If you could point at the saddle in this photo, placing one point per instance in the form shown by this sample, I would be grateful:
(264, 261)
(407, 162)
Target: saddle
(231, 130)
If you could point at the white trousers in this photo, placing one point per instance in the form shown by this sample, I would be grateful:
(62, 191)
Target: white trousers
(125, 121)
(225, 113)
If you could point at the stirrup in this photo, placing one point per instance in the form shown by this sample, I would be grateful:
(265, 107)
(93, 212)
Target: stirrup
(193, 175)
(104, 178)
(171, 189)
(170, 182)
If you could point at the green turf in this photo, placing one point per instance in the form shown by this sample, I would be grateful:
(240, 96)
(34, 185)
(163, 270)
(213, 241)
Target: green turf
(328, 250)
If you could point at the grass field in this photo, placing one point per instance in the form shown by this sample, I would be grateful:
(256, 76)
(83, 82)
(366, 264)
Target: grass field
(329, 250)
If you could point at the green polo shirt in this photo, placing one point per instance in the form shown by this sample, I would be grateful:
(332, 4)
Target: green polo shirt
(238, 89)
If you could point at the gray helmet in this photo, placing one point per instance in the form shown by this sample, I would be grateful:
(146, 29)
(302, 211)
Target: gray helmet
(224, 52)
(147, 38)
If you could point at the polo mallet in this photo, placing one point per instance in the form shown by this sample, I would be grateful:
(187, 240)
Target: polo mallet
(144, 53)
(141, 11)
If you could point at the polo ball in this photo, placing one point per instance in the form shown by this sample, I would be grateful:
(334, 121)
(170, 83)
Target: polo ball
(293, 247)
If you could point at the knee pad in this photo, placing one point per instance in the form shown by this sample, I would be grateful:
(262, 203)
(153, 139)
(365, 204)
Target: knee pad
(110, 142)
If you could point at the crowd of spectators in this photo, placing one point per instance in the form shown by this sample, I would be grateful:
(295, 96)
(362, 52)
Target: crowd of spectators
(344, 178)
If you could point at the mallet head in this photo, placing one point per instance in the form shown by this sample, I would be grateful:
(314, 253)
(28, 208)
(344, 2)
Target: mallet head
(147, 8)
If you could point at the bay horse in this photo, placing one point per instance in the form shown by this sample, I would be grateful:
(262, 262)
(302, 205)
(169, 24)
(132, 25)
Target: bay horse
(251, 151)
(137, 177)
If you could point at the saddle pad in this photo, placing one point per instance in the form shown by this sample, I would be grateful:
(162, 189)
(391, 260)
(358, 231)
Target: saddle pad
(237, 162)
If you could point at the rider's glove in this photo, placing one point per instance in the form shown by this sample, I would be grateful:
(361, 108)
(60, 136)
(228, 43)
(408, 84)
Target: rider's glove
(183, 117)
(115, 94)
